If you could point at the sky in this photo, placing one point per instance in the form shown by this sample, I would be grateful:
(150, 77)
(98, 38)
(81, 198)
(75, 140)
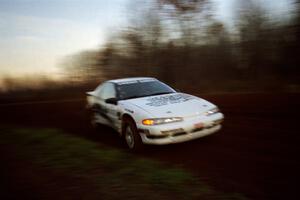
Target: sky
(36, 34)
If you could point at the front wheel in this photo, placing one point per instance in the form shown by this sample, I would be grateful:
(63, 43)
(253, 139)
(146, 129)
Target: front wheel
(132, 137)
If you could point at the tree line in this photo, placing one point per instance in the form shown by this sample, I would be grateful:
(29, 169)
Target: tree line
(183, 43)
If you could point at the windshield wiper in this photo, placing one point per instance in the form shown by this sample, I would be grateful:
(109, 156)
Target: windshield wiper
(160, 93)
(146, 95)
(134, 97)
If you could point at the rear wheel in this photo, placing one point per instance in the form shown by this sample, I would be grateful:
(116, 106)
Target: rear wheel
(132, 137)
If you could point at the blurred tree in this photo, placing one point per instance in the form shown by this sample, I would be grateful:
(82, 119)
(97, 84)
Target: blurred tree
(169, 40)
(82, 66)
(291, 52)
(188, 17)
(182, 42)
(184, 6)
(268, 49)
(252, 25)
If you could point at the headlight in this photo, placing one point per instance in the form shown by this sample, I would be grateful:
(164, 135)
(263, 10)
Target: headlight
(157, 121)
(212, 111)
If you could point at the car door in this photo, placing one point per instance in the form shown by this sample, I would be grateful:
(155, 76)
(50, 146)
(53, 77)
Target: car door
(107, 110)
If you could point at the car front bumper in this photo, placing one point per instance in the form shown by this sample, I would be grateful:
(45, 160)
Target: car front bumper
(182, 131)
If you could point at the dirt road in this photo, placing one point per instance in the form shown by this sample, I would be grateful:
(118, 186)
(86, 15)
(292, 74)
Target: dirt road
(256, 153)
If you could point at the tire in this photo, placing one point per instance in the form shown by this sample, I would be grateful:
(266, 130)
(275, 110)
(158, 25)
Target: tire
(131, 136)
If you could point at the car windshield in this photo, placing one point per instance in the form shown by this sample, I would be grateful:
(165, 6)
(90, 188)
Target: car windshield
(142, 89)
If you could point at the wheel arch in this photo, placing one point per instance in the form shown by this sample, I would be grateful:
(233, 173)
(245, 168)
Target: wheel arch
(125, 117)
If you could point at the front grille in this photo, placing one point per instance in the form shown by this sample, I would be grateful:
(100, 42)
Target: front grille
(156, 136)
(172, 131)
(168, 133)
(197, 129)
(178, 134)
(207, 127)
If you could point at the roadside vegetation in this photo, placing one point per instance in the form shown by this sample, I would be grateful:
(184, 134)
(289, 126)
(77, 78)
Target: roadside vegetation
(52, 164)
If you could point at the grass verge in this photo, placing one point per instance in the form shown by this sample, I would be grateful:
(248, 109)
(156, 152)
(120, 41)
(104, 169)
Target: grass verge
(62, 166)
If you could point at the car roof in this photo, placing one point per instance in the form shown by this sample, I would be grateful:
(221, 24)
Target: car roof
(122, 80)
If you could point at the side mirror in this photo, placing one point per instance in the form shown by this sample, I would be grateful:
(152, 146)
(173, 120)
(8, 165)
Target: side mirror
(177, 90)
(112, 101)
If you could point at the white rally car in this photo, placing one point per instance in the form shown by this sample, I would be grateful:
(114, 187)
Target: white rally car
(147, 111)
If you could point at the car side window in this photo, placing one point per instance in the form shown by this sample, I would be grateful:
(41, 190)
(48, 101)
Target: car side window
(107, 91)
(98, 89)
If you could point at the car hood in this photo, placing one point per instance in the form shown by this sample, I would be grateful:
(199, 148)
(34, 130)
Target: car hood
(172, 105)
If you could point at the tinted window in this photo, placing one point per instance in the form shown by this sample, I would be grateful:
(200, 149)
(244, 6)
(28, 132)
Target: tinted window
(142, 89)
(107, 91)
(98, 89)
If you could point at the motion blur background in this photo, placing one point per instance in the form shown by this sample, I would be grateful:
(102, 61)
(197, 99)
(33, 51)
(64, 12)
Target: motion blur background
(203, 45)
(241, 55)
